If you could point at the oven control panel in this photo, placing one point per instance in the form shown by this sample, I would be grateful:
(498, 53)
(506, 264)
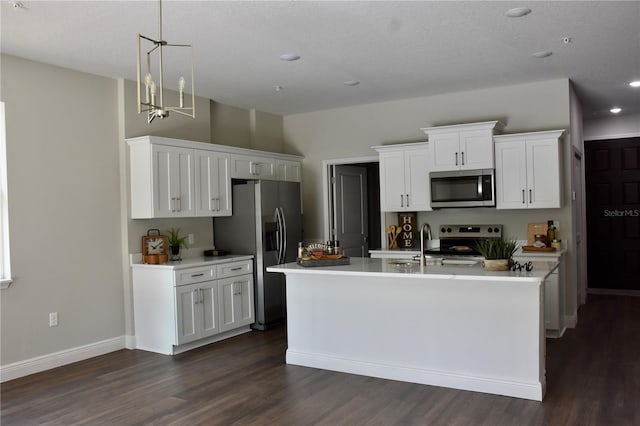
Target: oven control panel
(470, 231)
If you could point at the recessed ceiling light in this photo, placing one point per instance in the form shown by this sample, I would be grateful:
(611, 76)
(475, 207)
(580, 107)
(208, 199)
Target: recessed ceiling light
(351, 83)
(517, 12)
(17, 5)
(289, 57)
(615, 110)
(542, 54)
(635, 83)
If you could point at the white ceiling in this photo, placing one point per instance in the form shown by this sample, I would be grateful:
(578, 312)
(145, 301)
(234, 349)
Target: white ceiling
(396, 49)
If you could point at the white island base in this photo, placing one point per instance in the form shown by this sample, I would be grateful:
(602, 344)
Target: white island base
(457, 327)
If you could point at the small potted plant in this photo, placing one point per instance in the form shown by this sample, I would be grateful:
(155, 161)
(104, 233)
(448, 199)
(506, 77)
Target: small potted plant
(176, 242)
(497, 253)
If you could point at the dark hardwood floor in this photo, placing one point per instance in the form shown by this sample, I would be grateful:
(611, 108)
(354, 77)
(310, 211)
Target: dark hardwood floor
(593, 378)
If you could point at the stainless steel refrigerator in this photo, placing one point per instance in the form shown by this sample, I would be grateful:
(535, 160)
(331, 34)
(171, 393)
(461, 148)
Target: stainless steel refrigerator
(266, 222)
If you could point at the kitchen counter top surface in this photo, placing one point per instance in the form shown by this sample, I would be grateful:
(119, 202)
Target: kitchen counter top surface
(364, 266)
(192, 262)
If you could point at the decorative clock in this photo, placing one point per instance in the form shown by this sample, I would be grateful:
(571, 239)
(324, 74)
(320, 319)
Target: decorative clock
(155, 247)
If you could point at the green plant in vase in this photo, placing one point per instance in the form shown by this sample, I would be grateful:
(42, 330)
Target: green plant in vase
(176, 242)
(497, 253)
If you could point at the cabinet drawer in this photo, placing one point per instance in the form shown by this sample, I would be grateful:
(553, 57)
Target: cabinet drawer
(195, 275)
(235, 268)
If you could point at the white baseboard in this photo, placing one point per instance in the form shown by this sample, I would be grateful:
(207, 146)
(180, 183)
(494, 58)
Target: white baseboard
(130, 342)
(58, 359)
(494, 385)
(570, 321)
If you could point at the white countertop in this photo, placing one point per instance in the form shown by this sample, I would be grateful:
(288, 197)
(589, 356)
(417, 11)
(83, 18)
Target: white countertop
(364, 266)
(191, 261)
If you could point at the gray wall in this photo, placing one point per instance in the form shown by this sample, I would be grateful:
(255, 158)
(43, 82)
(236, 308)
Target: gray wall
(612, 127)
(62, 155)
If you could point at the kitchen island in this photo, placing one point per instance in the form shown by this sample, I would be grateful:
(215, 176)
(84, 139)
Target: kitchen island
(456, 326)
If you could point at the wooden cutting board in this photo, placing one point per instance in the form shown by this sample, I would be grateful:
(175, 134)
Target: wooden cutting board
(533, 229)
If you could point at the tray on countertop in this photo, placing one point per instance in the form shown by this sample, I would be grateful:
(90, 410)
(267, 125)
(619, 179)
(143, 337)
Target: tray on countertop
(324, 262)
(534, 248)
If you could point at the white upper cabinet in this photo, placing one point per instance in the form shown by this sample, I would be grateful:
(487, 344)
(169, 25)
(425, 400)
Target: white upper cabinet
(178, 178)
(528, 170)
(253, 167)
(213, 183)
(404, 176)
(463, 146)
(289, 170)
(162, 181)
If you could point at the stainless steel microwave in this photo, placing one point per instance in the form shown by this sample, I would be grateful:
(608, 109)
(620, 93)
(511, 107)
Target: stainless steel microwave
(463, 188)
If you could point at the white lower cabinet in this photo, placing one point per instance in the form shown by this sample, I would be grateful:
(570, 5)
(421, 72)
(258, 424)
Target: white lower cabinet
(196, 311)
(236, 302)
(180, 309)
(554, 289)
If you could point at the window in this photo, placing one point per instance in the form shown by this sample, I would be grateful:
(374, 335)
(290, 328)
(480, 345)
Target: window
(5, 265)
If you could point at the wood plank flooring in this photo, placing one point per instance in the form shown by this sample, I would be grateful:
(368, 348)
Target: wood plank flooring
(593, 378)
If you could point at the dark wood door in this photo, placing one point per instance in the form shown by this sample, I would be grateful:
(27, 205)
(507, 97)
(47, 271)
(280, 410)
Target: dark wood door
(613, 213)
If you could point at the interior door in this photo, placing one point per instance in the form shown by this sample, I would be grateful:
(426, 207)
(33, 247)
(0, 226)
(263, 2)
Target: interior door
(351, 209)
(613, 213)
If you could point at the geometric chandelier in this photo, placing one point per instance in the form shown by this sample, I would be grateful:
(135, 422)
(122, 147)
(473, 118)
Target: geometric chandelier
(153, 101)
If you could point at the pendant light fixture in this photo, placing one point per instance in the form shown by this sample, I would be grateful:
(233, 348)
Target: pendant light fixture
(153, 100)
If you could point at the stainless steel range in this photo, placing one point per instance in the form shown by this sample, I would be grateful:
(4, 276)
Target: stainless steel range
(461, 240)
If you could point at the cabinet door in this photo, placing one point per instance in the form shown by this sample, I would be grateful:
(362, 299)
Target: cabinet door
(244, 300)
(209, 305)
(187, 301)
(173, 181)
(417, 180)
(226, 296)
(392, 185)
(543, 173)
(446, 151)
(253, 167)
(213, 183)
(551, 303)
(511, 175)
(289, 171)
(236, 302)
(476, 150)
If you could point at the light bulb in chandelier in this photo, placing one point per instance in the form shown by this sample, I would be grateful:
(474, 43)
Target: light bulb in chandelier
(181, 84)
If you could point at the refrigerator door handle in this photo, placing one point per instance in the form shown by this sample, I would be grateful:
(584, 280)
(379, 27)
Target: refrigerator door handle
(278, 236)
(284, 235)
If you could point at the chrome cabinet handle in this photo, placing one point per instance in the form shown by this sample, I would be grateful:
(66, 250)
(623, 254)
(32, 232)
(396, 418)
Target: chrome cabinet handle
(236, 269)
(407, 200)
(173, 204)
(197, 275)
(530, 197)
(523, 200)
(201, 295)
(462, 154)
(401, 200)
(456, 158)
(237, 288)
(196, 294)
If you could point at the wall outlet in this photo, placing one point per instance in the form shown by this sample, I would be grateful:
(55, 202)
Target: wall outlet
(190, 238)
(53, 319)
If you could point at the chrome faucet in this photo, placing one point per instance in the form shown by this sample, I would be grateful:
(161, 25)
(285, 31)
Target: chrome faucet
(422, 228)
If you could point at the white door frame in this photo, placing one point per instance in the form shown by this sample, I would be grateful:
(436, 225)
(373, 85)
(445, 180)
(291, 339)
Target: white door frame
(326, 164)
